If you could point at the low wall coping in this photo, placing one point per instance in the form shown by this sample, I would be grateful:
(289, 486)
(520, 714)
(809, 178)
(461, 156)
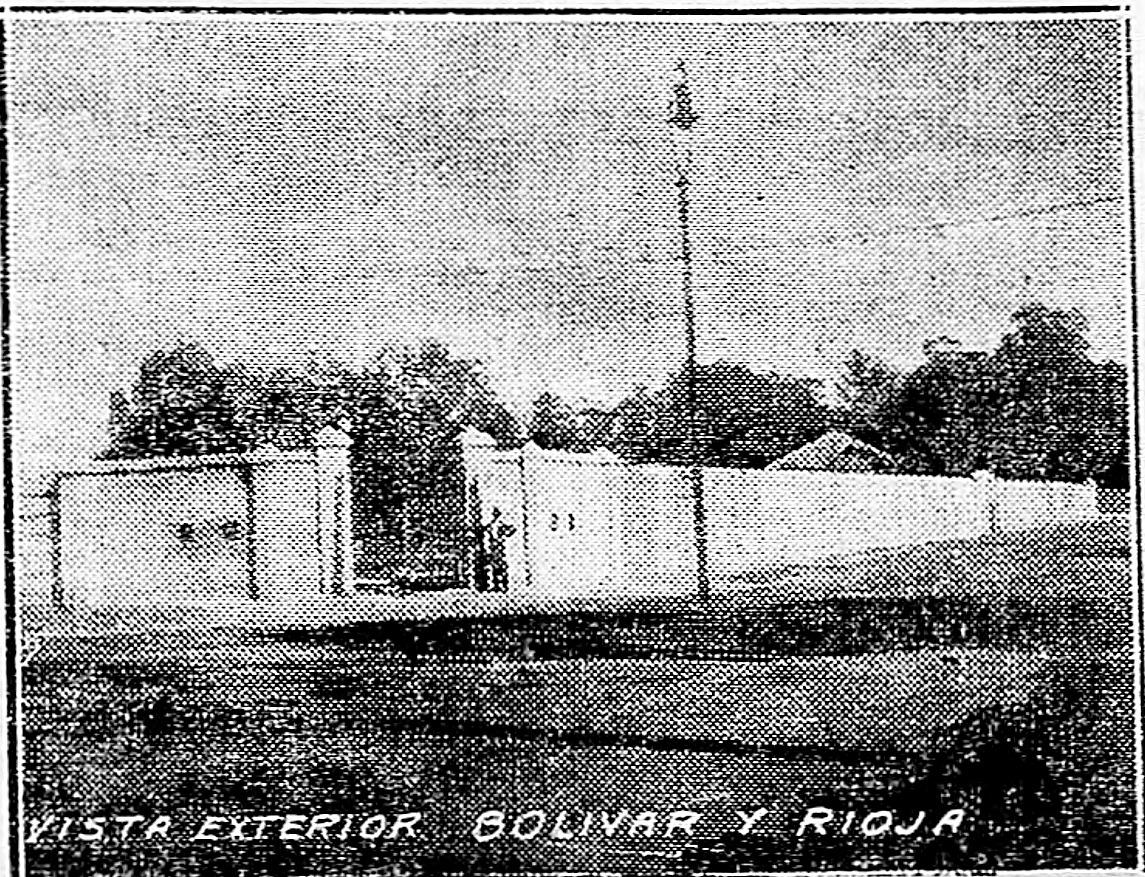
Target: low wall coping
(262, 457)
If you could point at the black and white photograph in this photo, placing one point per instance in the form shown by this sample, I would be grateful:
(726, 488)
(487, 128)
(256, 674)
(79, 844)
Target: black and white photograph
(580, 442)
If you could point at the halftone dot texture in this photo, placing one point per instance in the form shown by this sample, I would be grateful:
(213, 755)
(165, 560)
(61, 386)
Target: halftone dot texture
(270, 187)
(990, 686)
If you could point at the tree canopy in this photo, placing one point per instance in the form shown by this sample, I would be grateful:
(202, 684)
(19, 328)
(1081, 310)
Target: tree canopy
(183, 402)
(743, 418)
(1036, 407)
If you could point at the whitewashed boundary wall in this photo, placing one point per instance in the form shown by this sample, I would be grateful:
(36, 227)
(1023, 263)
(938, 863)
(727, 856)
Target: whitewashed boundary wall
(583, 523)
(591, 524)
(499, 488)
(34, 536)
(1016, 505)
(758, 519)
(202, 530)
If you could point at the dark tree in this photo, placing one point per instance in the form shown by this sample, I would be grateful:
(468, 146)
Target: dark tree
(593, 429)
(1036, 408)
(1051, 411)
(631, 434)
(288, 405)
(743, 418)
(183, 402)
(405, 413)
(120, 425)
(554, 426)
(936, 425)
(867, 390)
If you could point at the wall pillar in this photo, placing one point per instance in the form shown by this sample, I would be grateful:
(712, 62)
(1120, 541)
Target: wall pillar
(335, 533)
(530, 459)
(475, 448)
(988, 495)
(1093, 500)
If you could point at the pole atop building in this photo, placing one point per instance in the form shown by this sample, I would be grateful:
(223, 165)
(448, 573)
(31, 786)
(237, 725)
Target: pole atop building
(684, 118)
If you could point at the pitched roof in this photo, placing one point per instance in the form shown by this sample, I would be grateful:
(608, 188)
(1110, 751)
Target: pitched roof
(836, 451)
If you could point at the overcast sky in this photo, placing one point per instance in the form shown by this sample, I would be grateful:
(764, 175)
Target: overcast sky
(272, 186)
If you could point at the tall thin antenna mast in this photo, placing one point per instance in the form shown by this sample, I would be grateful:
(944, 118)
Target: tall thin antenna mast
(683, 118)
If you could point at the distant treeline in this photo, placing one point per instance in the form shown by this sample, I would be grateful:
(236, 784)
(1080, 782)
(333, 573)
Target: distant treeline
(1036, 407)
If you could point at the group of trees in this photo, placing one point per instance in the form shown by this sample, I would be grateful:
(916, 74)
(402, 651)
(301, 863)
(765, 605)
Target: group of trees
(1036, 407)
(742, 418)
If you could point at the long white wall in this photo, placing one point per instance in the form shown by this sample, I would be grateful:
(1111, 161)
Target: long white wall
(759, 519)
(591, 524)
